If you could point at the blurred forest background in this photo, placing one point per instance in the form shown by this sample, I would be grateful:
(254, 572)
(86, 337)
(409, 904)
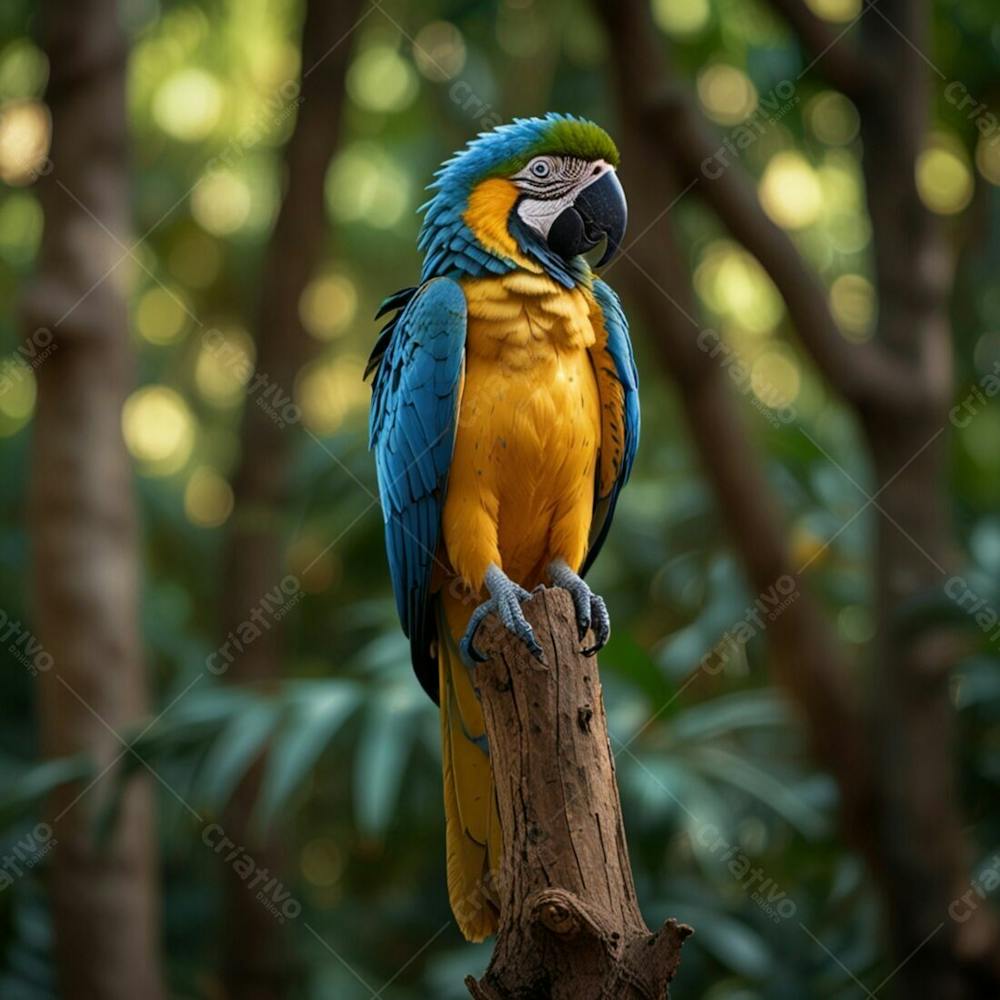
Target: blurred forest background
(219, 777)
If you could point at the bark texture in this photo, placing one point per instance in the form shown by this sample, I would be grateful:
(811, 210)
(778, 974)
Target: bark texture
(570, 926)
(257, 965)
(82, 523)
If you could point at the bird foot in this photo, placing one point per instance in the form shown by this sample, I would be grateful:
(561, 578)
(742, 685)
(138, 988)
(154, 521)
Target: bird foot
(591, 611)
(506, 598)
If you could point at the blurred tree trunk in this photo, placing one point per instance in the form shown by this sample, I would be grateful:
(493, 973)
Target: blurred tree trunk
(256, 963)
(82, 516)
(892, 749)
(918, 821)
(659, 283)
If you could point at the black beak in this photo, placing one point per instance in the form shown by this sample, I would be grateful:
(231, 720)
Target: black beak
(599, 212)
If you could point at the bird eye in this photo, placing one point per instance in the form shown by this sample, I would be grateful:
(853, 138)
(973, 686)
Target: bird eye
(540, 168)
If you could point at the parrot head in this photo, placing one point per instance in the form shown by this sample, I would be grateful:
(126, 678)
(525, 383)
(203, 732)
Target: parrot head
(538, 192)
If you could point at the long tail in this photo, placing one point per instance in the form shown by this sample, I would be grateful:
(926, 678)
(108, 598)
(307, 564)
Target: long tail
(472, 826)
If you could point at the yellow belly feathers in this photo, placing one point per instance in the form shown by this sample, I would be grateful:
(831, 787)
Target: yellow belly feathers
(521, 486)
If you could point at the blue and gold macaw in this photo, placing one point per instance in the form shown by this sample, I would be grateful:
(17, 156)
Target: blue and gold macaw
(504, 421)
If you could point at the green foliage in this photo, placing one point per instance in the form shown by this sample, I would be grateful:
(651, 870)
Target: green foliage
(348, 744)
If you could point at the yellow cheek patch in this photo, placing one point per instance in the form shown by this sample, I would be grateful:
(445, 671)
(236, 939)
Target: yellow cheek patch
(490, 205)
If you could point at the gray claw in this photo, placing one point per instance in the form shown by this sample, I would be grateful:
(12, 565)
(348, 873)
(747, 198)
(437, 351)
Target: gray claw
(506, 598)
(601, 625)
(466, 646)
(591, 611)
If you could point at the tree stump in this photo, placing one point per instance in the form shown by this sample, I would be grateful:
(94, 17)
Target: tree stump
(570, 926)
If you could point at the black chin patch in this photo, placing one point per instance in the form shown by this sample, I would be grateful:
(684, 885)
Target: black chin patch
(568, 236)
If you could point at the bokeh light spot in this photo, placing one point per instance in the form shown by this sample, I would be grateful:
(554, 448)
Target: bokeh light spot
(328, 390)
(159, 429)
(775, 379)
(24, 68)
(852, 299)
(944, 180)
(732, 283)
(380, 79)
(208, 498)
(850, 233)
(328, 305)
(840, 181)
(160, 315)
(988, 157)
(681, 17)
(364, 185)
(790, 191)
(25, 129)
(188, 104)
(224, 365)
(439, 51)
(835, 10)
(832, 118)
(808, 549)
(20, 227)
(221, 202)
(727, 93)
(17, 395)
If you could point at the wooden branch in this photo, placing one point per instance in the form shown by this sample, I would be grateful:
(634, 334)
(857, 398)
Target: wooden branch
(862, 373)
(570, 926)
(841, 62)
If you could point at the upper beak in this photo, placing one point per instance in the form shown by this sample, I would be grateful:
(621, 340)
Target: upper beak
(599, 212)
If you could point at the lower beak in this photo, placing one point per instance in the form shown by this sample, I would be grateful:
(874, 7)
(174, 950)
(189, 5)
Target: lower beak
(599, 212)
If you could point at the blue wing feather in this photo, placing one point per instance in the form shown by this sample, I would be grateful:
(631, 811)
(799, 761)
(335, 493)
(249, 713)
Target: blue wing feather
(619, 347)
(416, 391)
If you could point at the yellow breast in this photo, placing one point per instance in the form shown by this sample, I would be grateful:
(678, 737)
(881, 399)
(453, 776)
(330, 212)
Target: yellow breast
(529, 426)
(523, 319)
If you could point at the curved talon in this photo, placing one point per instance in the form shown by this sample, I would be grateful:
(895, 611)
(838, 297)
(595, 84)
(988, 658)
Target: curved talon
(467, 645)
(601, 625)
(591, 611)
(505, 599)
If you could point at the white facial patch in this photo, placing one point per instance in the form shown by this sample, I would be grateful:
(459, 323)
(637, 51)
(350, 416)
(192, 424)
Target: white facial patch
(540, 215)
(549, 192)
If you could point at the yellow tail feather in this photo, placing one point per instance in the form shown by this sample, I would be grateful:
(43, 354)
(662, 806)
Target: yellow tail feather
(472, 829)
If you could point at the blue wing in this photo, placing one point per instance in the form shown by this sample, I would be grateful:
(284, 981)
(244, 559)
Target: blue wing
(416, 392)
(618, 384)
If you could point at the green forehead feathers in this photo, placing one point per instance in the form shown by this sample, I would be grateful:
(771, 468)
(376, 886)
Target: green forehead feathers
(566, 137)
(578, 138)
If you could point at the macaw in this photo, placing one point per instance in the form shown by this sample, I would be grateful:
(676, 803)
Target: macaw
(504, 423)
